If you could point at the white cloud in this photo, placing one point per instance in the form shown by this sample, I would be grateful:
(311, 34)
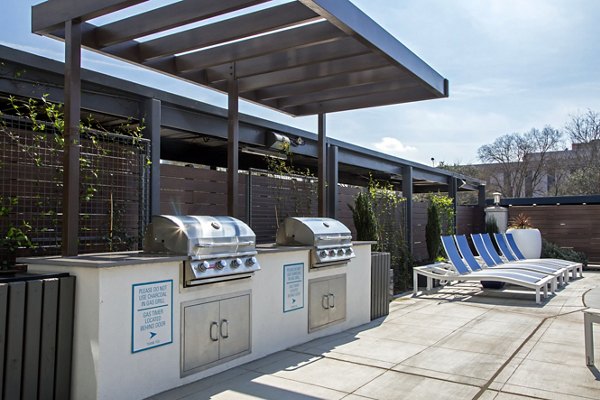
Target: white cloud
(393, 146)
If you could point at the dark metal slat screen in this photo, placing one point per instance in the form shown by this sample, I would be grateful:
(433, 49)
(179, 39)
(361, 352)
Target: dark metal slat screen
(380, 284)
(36, 337)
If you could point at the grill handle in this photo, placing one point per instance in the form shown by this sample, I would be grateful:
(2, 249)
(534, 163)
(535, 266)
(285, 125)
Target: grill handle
(329, 238)
(206, 245)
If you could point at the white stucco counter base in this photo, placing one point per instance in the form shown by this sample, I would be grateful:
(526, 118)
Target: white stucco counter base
(116, 356)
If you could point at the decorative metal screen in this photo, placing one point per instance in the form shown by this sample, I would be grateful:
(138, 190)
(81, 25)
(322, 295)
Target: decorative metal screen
(113, 186)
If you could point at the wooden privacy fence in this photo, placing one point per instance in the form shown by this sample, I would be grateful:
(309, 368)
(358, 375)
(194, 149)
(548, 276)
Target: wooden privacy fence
(265, 199)
(573, 226)
(36, 338)
(469, 219)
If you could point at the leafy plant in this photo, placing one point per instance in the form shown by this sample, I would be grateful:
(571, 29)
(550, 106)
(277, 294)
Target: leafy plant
(364, 218)
(552, 250)
(491, 226)
(521, 221)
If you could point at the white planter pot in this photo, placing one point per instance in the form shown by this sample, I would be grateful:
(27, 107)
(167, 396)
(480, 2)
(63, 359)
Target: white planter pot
(528, 240)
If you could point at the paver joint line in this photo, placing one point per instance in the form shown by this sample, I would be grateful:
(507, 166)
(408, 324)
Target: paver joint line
(486, 386)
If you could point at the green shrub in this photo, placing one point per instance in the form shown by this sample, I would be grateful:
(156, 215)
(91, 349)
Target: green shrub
(552, 250)
(433, 231)
(365, 220)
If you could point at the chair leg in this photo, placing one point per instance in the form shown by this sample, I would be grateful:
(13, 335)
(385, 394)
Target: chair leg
(415, 282)
(429, 283)
(546, 290)
(553, 285)
(537, 295)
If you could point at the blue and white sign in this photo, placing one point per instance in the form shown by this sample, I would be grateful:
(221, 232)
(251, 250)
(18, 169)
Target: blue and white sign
(151, 315)
(293, 287)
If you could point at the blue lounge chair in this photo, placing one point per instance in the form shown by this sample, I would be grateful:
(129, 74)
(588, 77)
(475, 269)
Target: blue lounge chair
(457, 270)
(508, 254)
(492, 259)
(533, 270)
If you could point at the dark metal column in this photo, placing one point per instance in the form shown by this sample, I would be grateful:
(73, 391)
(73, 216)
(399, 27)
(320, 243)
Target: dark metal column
(481, 196)
(332, 181)
(407, 192)
(452, 193)
(322, 160)
(233, 138)
(70, 206)
(152, 132)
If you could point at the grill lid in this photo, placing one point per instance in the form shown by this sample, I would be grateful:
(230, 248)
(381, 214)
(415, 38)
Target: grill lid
(317, 232)
(199, 236)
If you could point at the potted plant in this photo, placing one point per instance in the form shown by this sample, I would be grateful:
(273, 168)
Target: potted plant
(528, 238)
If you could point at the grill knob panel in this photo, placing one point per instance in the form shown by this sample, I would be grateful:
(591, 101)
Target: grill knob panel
(203, 266)
(236, 263)
(221, 264)
(250, 261)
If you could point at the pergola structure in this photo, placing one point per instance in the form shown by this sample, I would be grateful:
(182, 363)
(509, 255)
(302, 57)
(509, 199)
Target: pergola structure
(305, 57)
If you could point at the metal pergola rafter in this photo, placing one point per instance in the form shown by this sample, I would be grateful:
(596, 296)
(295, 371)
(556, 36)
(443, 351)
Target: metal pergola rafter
(305, 57)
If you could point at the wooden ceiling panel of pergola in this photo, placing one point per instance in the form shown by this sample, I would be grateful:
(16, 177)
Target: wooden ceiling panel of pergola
(302, 57)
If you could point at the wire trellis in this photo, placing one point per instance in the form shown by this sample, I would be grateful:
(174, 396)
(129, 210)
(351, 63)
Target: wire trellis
(113, 187)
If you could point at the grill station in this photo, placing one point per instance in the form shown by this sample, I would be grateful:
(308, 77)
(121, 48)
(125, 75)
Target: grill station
(219, 248)
(331, 240)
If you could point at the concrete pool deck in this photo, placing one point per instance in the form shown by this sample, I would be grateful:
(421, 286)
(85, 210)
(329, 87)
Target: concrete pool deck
(457, 342)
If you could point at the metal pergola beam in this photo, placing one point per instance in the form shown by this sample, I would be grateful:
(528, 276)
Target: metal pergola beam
(322, 165)
(166, 17)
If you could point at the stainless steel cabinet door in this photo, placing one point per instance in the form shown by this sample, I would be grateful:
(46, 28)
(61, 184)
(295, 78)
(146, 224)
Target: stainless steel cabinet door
(337, 299)
(318, 308)
(234, 326)
(201, 335)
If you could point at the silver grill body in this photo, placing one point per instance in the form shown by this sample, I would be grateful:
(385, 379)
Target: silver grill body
(218, 248)
(331, 240)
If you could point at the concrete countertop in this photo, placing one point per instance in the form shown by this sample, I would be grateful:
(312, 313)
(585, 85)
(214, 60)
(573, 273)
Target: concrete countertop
(111, 260)
(103, 260)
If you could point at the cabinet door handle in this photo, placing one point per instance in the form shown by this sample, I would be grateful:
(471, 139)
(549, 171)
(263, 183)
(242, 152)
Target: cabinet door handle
(224, 324)
(325, 302)
(331, 300)
(214, 333)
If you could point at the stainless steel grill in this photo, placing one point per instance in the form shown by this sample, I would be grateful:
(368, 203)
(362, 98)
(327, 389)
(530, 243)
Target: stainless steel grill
(331, 240)
(219, 248)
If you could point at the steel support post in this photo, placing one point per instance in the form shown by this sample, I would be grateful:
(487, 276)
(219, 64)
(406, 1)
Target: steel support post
(70, 206)
(152, 132)
(453, 194)
(233, 138)
(332, 181)
(407, 192)
(322, 165)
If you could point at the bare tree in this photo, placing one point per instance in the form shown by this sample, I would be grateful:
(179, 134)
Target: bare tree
(584, 132)
(520, 161)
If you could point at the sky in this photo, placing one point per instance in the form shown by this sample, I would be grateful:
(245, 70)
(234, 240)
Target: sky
(512, 65)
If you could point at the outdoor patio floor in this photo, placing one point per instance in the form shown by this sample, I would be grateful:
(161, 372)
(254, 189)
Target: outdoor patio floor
(453, 343)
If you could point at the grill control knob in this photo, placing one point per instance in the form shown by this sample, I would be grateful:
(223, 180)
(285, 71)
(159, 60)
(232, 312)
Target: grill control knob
(203, 266)
(332, 253)
(250, 261)
(236, 263)
(348, 252)
(221, 264)
(323, 254)
(340, 252)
